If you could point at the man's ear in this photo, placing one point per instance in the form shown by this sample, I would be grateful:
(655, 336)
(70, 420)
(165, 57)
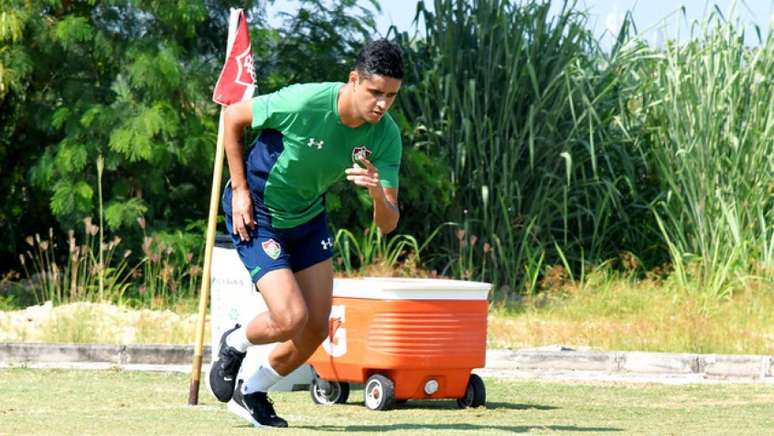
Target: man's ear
(354, 77)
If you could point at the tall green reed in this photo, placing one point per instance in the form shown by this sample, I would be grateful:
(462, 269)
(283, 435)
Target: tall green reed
(100, 172)
(371, 247)
(518, 102)
(703, 115)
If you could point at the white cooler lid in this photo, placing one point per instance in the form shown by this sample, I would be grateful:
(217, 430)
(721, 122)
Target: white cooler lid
(389, 288)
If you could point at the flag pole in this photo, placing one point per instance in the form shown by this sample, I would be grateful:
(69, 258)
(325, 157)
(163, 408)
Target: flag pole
(217, 177)
(212, 220)
(236, 83)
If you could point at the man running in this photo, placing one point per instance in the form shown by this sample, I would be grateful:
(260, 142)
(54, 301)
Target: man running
(311, 136)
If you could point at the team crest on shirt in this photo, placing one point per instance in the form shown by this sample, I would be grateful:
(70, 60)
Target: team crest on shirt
(360, 153)
(271, 248)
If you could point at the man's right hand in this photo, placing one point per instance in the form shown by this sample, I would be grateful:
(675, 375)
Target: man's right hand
(242, 213)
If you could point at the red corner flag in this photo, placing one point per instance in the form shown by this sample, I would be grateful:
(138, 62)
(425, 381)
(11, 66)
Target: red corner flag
(237, 79)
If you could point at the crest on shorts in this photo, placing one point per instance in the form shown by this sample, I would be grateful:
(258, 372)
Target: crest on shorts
(360, 153)
(271, 248)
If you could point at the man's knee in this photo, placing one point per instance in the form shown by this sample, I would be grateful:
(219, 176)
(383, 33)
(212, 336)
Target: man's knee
(290, 322)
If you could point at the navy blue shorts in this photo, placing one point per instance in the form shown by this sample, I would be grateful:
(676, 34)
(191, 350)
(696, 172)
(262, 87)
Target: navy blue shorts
(270, 248)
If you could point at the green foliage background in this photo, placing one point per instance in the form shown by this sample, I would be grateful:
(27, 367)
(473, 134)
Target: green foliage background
(526, 145)
(131, 81)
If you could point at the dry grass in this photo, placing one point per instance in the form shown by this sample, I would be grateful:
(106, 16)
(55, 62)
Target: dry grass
(618, 314)
(607, 312)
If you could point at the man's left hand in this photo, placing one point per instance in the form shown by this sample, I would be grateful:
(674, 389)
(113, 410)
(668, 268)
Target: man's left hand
(367, 177)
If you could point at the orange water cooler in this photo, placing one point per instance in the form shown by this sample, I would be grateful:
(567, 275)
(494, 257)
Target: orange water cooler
(403, 339)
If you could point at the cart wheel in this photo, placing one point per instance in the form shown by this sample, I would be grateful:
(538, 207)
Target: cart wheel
(327, 393)
(379, 392)
(475, 395)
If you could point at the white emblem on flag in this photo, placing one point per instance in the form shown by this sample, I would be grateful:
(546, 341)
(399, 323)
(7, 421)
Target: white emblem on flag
(237, 78)
(245, 64)
(326, 244)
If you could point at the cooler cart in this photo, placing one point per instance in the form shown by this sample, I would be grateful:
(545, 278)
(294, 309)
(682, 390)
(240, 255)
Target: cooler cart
(403, 339)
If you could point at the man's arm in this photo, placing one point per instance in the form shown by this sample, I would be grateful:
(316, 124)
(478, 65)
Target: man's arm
(386, 213)
(235, 118)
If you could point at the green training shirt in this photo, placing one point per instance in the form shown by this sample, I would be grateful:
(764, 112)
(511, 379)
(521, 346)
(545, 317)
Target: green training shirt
(316, 149)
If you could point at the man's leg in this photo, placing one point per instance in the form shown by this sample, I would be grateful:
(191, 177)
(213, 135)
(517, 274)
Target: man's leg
(287, 310)
(284, 319)
(316, 283)
(266, 257)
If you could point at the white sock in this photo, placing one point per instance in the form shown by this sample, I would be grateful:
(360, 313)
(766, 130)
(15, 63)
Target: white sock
(261, 380)
(238, 339)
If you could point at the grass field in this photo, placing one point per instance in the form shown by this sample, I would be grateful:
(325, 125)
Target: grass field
(65, 402)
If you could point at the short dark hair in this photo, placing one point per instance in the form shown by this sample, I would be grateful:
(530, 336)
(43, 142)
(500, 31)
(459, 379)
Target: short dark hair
(380, 57)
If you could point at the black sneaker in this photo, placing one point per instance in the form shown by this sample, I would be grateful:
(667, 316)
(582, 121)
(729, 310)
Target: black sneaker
(256, 408)
(223, 371)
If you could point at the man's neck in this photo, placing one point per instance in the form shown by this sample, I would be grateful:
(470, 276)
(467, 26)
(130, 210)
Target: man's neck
(346, 108)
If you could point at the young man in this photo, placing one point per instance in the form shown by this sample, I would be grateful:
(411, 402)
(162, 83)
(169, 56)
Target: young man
(311, 136)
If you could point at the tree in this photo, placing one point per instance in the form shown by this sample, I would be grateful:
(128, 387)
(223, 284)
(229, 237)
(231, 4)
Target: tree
(131, 81)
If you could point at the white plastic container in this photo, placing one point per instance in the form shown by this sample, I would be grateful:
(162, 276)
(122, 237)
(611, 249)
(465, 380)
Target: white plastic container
(234, 299)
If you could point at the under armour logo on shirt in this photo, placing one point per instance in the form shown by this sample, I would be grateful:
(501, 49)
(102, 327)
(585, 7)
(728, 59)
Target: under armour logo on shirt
(313, 142)
(326, 244)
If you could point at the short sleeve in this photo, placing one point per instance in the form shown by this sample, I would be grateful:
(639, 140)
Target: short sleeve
(269, 110)
(261, 110)
(388, 160)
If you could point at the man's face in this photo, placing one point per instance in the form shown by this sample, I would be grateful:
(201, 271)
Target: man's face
(374, 95)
